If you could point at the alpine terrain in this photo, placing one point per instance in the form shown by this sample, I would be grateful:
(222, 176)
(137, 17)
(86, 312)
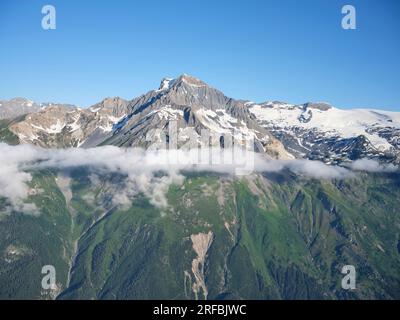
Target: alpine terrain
(324, 194)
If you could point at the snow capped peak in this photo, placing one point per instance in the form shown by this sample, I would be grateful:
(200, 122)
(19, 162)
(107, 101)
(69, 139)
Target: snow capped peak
(166, 83)
(320, 131)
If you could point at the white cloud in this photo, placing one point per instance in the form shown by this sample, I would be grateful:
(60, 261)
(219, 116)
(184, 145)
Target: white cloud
(307, 168)
(13, 180)
(141, 169)
(372, 166)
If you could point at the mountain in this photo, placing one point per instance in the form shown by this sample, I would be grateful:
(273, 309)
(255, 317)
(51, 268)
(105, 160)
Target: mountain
(269, 236)
(16, 107)
(60, 126)
(315, 131)
(322, 132)
(11, 109)
(114, 229)
(192, 104)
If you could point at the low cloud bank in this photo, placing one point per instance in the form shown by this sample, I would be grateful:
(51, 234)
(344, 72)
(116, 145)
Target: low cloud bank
(372, 166)
(141, 168)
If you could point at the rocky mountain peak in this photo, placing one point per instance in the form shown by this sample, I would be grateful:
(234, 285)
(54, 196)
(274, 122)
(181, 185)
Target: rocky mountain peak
(185, 91)
(168, 83)
(190, 80)
(17, 106)
(111, 105)
(21, 100)
(109, 102)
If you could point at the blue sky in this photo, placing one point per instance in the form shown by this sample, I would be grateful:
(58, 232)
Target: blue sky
(289, 50)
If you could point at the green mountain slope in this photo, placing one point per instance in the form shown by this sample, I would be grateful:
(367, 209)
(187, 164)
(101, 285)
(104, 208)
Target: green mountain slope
(275, 236)
(6, 135)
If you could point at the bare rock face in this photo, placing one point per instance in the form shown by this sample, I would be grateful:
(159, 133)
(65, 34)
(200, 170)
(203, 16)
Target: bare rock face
(115, 106)
(201, 243)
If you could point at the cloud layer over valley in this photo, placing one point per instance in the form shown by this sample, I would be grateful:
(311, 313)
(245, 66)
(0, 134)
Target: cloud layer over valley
(142, 169)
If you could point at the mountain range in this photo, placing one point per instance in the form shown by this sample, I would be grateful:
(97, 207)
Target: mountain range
(114, 230)
(316, 131)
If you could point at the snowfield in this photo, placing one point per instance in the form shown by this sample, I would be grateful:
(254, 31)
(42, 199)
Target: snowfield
(333, 122)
